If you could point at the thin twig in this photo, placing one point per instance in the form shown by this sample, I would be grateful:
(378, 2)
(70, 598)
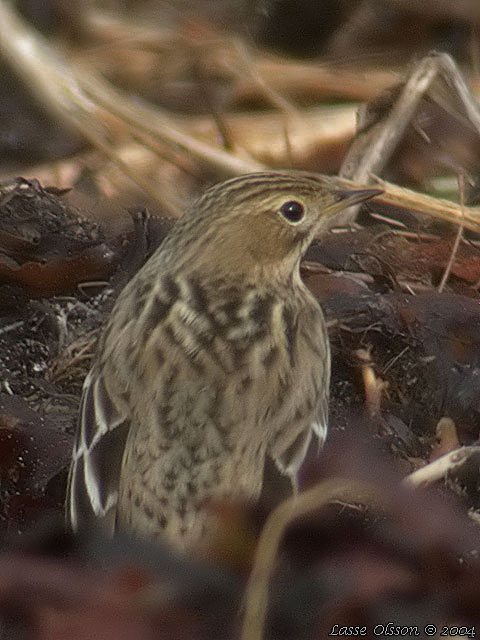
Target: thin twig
(458, 237)
(390, 364)
(383, 218)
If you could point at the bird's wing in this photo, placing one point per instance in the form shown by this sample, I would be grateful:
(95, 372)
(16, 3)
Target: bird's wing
(291, 458)
(97, 457)
(319, 426)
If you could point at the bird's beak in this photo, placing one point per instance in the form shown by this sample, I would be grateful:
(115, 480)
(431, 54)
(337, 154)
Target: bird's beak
(348, 197)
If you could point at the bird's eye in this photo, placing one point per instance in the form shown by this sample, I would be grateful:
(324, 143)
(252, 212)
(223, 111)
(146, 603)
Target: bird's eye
(292, 211)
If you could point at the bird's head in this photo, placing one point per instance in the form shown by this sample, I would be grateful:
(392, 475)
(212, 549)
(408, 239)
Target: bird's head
(260, 222)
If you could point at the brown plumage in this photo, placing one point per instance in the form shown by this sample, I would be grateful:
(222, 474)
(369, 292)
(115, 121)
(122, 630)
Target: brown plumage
(215, 357)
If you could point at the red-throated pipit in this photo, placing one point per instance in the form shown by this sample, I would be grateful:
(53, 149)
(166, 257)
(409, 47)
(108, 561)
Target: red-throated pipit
(215, 357)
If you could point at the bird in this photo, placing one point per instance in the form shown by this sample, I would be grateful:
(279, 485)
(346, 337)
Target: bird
(214, 359)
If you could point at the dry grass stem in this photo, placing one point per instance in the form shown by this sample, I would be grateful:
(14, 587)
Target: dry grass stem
(458, 237)
(155, 123)
(373, 385)
(373, 149)
(256, 597)
(468, 217)
(435, 77)
(438, 469)
(294, 78)
(102, 114)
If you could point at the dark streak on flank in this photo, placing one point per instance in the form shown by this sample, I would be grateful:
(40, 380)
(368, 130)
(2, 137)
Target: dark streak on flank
(157, 313)
(290, 326)
(299, 413)
(199, 299)
(261, 310)
(231, 308)
(245, 384)
(182, 507)
(170, 288)
(159, 356)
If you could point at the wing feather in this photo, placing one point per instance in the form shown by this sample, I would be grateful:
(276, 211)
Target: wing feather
(97, 457)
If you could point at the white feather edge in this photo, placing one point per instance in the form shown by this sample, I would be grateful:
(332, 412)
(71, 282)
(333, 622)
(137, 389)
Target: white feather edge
(90, 478)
